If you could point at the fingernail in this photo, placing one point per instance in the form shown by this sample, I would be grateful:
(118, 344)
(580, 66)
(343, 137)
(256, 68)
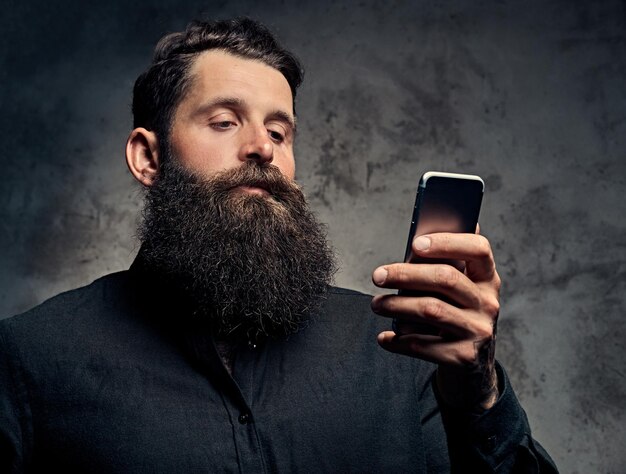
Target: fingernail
(380, 275)
(421, 243)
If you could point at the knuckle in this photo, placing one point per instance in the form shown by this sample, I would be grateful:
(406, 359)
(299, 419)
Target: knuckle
(497, 281)
(443, 241)
(466, 355)
(433, 309)
(495, 307)
(446, 276)
(484, 332)
(397, 272)
(471, 355)
(484, 247)
(440, 242)
(491, 305)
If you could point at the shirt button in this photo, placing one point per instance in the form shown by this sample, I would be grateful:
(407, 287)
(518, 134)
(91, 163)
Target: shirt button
(244, 418)
(490, 443)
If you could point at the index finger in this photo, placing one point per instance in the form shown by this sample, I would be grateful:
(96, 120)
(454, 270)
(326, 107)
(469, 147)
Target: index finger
(471, 248)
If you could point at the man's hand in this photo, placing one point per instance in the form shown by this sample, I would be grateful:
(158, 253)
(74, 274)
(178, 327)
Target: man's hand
(462, 310)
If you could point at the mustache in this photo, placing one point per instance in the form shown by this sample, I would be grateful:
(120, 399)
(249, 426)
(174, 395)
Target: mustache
(265, 176)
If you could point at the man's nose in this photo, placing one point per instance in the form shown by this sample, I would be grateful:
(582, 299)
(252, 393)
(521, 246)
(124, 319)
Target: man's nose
(257, 146)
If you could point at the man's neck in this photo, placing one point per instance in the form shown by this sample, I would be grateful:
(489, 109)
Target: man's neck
(226, 351)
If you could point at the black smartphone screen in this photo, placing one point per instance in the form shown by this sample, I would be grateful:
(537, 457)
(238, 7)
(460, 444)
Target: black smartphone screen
(445, 202)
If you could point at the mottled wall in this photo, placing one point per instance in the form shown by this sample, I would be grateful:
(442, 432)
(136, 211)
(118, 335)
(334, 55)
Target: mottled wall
(529, 94)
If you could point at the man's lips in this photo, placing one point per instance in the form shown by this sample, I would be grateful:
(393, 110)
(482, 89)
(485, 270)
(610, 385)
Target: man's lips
(253, 190)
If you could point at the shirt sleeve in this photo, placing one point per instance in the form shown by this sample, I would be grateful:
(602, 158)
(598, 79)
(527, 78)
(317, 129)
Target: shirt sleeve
(496, 441)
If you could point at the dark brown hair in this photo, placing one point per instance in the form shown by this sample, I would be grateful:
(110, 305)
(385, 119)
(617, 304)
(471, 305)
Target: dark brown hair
(160, 89)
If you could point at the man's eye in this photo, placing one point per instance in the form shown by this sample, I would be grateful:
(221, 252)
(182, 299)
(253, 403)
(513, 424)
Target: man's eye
(276, 136)
(223, 125)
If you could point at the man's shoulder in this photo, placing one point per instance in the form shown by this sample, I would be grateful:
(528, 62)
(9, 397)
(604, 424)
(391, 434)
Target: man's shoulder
(84, 302)
(343, 300)
(342, 307)
(346, 292)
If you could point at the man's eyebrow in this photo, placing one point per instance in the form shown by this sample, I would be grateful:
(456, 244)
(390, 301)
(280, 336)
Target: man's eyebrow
(285, 117)
(238, 103)
(234, 102)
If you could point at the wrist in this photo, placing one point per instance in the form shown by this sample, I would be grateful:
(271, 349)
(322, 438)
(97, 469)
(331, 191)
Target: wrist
(471, 392)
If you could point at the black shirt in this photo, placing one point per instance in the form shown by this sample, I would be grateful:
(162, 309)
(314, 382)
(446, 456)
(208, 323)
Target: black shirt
(114, 377)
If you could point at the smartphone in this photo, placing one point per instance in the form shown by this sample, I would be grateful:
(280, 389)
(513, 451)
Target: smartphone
(445, 202)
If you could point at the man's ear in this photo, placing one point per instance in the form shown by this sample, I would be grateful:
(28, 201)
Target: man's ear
(142, 155)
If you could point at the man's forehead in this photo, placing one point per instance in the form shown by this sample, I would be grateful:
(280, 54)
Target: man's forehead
(219, 73)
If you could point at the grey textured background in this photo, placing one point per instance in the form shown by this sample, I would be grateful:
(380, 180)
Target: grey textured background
(529, 94)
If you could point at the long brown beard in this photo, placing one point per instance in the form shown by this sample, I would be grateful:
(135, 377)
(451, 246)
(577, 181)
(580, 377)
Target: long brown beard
(250, 265)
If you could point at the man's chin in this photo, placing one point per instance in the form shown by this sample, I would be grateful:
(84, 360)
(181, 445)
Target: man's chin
(251, 259)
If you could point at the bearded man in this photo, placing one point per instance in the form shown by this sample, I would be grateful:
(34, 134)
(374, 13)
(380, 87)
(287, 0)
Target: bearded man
(225, 347)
